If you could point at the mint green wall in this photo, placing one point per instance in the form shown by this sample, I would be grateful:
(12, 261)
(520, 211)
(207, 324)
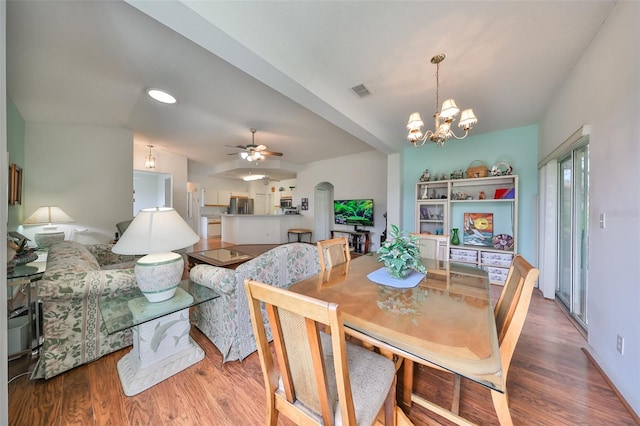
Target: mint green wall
(15, 146)
(518, 147)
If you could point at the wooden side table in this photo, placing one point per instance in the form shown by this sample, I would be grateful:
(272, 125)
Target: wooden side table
(358, 240)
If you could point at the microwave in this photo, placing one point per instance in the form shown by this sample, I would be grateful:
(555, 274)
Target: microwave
(286, 203)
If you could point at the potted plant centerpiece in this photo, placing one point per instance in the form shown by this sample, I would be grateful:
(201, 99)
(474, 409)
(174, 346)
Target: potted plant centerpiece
(401, 254)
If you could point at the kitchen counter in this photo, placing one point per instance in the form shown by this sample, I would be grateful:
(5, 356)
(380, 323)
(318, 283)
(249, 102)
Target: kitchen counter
(258, 229)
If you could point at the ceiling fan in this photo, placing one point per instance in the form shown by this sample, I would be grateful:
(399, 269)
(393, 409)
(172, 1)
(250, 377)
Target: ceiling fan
(253, 152)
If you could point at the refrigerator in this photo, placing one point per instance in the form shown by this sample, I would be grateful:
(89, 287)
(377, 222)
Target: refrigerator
(240, 206)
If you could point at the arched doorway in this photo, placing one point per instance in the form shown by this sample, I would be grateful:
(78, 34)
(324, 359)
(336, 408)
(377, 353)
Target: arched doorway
(323, 210)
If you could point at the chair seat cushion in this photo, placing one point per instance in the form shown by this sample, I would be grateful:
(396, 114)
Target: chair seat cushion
(370, 374)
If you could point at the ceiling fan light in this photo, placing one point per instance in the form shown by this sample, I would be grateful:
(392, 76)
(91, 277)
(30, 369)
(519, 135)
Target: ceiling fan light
(449, 109)
(244, 155)
(467, 119)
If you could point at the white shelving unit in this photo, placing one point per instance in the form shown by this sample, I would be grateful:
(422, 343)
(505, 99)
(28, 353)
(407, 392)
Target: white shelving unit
(444, 205)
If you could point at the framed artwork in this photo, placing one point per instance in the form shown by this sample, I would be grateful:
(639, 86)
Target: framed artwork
(15, 184)
(304, 204)
(478, 229)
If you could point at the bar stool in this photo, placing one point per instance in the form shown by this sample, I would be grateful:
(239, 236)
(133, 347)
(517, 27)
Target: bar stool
(299, 232)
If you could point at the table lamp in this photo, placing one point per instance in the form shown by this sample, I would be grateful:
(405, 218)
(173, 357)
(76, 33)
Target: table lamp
(48, 215)
(155, 232)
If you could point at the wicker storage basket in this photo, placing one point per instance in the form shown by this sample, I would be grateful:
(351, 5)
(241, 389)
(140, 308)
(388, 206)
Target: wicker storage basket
(477, 169)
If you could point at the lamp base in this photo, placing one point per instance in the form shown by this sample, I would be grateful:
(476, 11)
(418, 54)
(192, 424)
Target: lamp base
(161, 348)
(158, 275)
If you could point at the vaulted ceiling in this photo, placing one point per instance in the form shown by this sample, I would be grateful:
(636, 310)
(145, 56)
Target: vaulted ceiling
(287, 68)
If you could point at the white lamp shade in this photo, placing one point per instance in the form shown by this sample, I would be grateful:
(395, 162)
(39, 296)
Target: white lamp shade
(48, 214)
(449, 109)
(155, 230)
(467, 119)
(415, 122)
(414, 135)
(444, 128)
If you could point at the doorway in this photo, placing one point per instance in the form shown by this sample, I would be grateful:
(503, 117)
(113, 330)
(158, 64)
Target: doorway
(151, 189)
(573, 232)
(323, 210)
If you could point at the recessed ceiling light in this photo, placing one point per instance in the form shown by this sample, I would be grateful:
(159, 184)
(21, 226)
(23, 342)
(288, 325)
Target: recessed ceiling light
(162, 96)
(253, 177)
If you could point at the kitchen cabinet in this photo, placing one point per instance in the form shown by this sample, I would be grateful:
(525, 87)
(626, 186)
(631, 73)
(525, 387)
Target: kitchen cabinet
(214, 229)
(211, 197)
(208, 197)
(224, 198)
(239, 194)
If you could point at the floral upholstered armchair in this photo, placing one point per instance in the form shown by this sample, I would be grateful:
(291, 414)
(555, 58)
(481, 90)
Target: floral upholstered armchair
(226, 320)
(76, 277)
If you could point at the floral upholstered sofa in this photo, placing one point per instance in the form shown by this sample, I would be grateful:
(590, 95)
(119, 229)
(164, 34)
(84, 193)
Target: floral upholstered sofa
(77, 276)
(225, 320)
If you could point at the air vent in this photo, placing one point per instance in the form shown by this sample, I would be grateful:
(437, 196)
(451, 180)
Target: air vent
(360, 90)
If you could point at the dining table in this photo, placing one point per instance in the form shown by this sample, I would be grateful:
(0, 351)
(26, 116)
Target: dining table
(443, 319)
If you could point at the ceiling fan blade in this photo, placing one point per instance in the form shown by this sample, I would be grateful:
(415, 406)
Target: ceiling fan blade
(275, 154)
(259, 147)
(237, 146)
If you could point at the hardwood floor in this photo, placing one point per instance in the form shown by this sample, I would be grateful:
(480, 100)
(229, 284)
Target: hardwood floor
(550, 382)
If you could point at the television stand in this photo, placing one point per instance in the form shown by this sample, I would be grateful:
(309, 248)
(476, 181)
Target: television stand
(358, 239)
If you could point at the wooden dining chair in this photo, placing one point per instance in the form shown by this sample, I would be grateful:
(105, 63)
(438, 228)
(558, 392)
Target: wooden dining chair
(334, 252)
(320, 378)
(433, 246)
(510, 313)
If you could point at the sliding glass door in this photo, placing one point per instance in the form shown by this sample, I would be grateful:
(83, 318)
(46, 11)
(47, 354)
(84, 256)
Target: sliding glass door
(573, 232)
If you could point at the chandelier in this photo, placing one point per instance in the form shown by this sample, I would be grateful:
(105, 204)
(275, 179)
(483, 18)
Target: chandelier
(150, 160)
(443, 119)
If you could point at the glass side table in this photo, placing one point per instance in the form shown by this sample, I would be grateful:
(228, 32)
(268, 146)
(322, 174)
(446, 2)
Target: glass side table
(162, 346)
(22, 279)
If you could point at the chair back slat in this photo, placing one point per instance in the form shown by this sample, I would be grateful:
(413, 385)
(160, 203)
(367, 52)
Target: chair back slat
(333, 252)
(299, 345)
(433, 246)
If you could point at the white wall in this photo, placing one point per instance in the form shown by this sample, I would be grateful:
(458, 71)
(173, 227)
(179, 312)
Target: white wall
(603, 91)
(87, 171)
(218, 184)
(394, 192)
(356, 176)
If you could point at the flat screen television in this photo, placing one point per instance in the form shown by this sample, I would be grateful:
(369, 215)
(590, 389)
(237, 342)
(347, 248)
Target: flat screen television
(353, 212)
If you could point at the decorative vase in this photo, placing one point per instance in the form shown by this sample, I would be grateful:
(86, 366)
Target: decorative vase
(455, 240)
